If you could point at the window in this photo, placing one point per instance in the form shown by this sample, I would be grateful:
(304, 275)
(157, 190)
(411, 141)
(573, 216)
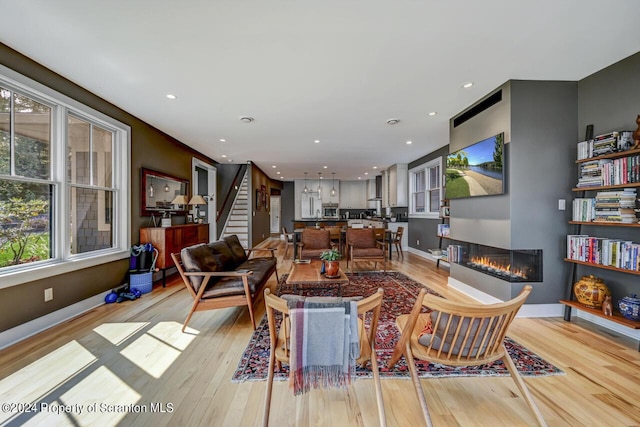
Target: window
(64, 183)
(425, 189)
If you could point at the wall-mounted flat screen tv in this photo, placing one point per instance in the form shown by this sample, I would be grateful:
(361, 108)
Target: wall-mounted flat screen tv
(477, 170)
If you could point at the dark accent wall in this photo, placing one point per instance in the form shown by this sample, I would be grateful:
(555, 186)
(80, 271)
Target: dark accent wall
(425, 229)
(149, 148)
(610, 101)
(288, 205)
(260, 221)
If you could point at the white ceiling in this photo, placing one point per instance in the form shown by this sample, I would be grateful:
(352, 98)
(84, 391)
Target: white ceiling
(330, 70)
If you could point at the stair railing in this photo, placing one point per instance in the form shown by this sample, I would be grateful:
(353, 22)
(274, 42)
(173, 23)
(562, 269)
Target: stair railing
(225, 209)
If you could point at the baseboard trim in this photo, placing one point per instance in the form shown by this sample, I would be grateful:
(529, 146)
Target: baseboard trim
(35, 326)
(612, 326)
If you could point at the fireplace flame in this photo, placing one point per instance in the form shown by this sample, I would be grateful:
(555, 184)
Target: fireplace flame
(504, 270)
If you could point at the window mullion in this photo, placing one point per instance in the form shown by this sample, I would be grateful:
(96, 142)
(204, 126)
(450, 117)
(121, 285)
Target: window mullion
(12, 134)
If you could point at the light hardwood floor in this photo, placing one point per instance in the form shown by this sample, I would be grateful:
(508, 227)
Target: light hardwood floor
(134, 354)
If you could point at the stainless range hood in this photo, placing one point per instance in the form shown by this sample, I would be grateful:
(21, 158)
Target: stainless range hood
(378, 189)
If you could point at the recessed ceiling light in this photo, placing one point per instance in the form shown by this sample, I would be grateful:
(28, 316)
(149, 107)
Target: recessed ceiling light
(366, 173)
(433, 113)
(317, 141)
(170, 96)
(359, 177)
(223, 140)
(278, 172)
(224, 155)
(246, 119)
(230, 160)
(467, 85)
(375, 167)
(409, 142)
(274, 166)
(393, 121)
(325, 167)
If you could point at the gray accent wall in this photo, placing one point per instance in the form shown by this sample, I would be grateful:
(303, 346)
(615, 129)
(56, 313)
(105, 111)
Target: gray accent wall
(538, 119)
(610, 101)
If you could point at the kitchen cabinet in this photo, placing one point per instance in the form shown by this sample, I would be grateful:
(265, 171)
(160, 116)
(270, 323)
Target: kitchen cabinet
(398, 176)
(353, 194)
(371, 194)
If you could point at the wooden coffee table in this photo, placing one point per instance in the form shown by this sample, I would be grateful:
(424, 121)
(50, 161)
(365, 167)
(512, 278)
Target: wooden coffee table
(307, 276)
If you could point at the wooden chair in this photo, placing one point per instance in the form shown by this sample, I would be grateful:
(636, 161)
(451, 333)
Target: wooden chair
(459, 334)
(335, 234)
(397, 241)
(280, 352)
(362, 245)
(289, 241)
(313, 242)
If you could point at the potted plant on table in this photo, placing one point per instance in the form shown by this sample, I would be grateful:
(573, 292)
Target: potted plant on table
(332, 261)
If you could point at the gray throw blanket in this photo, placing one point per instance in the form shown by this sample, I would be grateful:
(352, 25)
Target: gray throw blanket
(324, 344)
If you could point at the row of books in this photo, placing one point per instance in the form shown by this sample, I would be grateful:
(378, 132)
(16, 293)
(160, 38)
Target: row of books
(607, 206)
(607, 143)
(605, 172)
(454, 253)
(443, 230)
(602, 251)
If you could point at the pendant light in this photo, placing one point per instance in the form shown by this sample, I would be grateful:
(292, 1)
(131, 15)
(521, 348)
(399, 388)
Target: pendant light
(333, 183)
(306, 189)
(319, 182)
(151, 190)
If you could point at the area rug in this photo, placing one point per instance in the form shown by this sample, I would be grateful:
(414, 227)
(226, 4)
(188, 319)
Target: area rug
(400, 293)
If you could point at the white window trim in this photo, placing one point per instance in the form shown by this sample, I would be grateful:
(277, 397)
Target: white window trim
(62, 262)
(424, 167)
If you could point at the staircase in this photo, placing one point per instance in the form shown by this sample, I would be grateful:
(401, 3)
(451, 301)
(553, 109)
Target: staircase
(238, 221)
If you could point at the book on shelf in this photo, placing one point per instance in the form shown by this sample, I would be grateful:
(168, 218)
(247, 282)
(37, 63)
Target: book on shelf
(623, 254)
(443, 230)
(612, 142)
(454, 253)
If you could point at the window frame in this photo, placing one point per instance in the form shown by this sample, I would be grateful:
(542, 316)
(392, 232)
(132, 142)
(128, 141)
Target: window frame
(425, 167)
(62, 260)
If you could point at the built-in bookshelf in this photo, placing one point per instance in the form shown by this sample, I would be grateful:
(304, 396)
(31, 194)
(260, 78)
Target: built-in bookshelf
(443, 232)
(609, 173)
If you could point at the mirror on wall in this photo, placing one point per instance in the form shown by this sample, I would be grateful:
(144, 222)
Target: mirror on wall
(162, 193)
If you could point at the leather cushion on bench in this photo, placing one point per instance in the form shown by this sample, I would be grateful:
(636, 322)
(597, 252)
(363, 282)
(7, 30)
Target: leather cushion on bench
(215, 256)
(262, 269)
(237, 251)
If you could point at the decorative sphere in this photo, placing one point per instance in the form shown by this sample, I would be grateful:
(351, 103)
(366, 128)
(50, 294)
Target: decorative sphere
(591, 291)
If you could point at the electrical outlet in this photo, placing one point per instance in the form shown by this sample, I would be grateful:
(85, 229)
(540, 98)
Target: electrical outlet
(418, 242)
(48, 294)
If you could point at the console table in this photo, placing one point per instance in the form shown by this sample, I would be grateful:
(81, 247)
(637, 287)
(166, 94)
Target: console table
(168, 240)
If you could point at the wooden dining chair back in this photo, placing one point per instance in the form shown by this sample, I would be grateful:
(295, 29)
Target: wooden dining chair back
(459, 334)
(288, 238)
(335, 234)
(280, 351)
(397, 241)
(313, 242)
(362, 245)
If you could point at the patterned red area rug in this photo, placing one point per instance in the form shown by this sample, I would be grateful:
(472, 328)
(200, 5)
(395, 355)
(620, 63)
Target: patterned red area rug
(400, 293)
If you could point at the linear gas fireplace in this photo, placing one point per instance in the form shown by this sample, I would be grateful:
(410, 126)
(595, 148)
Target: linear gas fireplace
(511, 265)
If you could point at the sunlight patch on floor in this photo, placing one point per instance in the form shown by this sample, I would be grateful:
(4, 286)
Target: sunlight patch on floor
(117, 333)
(152, 354)
(40, 378)
(171, 333)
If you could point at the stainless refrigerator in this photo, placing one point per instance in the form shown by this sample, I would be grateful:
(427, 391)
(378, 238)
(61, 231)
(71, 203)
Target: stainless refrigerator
(311, 206)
